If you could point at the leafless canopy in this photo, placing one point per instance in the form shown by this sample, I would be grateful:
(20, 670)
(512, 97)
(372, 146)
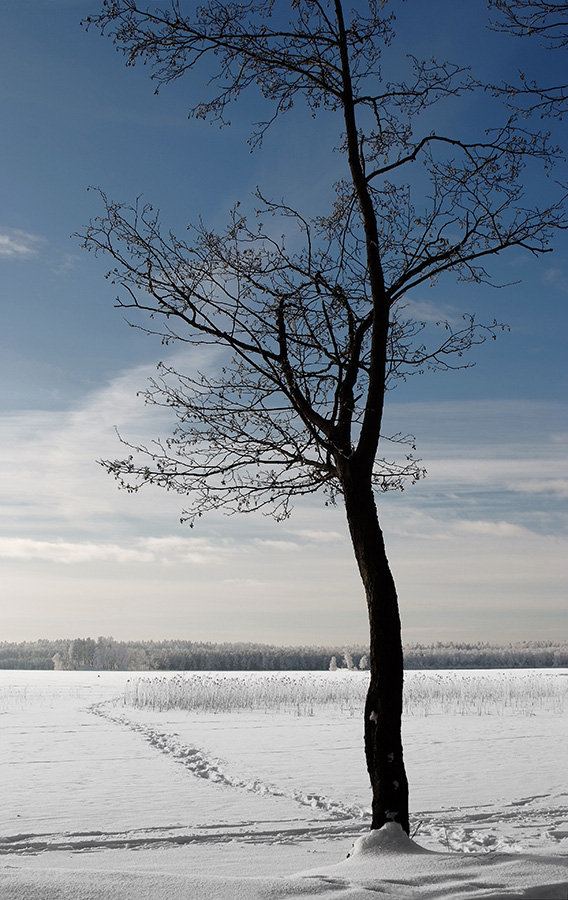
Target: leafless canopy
(312, 328)
(546, 21)
(546, 18)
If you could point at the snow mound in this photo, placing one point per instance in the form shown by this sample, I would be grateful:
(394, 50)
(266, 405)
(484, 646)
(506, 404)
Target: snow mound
(391, 838)
(389, 863)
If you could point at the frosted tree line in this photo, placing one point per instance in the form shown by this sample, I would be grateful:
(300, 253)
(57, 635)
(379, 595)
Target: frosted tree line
(105, 653)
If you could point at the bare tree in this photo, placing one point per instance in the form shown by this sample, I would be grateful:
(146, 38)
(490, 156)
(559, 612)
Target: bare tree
(316, 326)
(544, 20)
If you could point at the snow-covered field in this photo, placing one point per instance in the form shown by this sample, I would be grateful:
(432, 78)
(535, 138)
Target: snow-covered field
(264, 794)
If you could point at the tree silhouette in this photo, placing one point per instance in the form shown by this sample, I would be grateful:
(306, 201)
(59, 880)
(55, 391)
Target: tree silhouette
(315, 327)
(547, 22)
(546, 18)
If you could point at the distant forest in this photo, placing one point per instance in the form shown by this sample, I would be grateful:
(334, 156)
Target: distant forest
(107, 654)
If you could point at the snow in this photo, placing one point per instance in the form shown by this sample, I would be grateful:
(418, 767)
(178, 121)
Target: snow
(102, 800)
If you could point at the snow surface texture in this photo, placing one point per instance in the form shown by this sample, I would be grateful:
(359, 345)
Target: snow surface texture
(102, 800)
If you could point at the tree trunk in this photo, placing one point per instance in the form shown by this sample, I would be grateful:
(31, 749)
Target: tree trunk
(383, 708)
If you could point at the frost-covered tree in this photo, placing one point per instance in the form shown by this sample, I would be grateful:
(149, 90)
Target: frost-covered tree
(316, 327)
(61, 662)
(347, 660)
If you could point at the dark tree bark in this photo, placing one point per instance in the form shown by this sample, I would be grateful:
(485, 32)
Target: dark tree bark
(383, 708)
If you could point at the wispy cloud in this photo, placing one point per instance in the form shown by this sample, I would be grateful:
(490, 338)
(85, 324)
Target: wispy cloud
(163, 550)
(557, 487)
(174, 549)
(441, 526)
(320, 537)
(556, 277)
(277, 545)
(63, 263)
(493, 529)
(16, 244)
(68, 552)
(427, 311)
(492, 472)
(459, 542)
(51, 486)
(49, 477)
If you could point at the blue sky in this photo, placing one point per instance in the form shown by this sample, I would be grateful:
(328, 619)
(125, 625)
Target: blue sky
(478, 548)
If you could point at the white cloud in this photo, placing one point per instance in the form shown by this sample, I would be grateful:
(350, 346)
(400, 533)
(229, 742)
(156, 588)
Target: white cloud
(174, 549)
(413, 524)
(321, 537)
(49, 477)
(427, 311)
(493, 529)
(164, 550)
(556, 486)
(16, 244)
(458, 542)
(277, 545)
(68, 552)
(64, 263)
(501, 474)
